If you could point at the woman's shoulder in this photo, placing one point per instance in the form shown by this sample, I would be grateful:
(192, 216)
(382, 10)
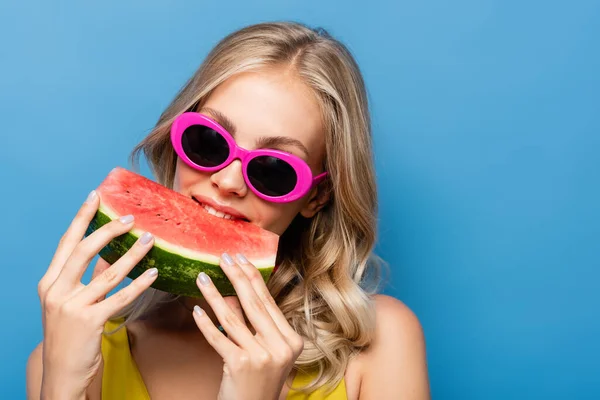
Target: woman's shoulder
(395, 363)
(396, 327)
(34, 372)
(394, 310)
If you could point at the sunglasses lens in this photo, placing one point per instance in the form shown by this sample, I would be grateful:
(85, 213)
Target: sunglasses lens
(204, 146)
(272, 176)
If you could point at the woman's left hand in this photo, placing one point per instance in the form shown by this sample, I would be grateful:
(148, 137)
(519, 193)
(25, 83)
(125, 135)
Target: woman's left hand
(256, 365)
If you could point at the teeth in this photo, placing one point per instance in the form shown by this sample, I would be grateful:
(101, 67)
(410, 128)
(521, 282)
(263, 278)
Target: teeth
(216, 213)
(210, 210)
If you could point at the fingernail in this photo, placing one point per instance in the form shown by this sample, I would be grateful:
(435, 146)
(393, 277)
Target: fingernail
(126, 219)
(203, 278)
(152, 272)
(91, 196)
(241, 258)
(146, 238)
(198, 310)
(227, 258)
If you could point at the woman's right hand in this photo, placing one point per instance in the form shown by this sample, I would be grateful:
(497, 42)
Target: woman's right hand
(74, 314)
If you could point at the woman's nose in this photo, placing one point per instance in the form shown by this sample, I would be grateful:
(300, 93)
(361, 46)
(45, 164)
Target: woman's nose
(230, 180)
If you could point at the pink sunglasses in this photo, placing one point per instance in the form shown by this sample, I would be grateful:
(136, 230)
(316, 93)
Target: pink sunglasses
(273, 175)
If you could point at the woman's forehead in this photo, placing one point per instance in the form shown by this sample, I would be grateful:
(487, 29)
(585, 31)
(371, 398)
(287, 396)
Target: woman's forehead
(269, 107)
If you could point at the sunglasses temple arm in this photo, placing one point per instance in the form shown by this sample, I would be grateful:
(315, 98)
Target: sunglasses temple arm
(319, 178)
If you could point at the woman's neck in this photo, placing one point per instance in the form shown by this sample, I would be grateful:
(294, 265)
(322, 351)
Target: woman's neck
(177, 314)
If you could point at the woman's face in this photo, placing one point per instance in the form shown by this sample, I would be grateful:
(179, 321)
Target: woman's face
(271, 104)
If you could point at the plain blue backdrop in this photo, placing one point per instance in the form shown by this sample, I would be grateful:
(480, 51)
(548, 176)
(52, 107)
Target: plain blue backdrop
(487, 130)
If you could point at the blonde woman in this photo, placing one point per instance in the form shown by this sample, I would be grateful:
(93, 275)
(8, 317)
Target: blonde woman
(317, 330)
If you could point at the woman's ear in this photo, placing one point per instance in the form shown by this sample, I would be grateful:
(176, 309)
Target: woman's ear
(318, 198)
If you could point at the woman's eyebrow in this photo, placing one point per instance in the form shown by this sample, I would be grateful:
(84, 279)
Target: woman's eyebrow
(278, 141)
(220, 118)
(265, 141)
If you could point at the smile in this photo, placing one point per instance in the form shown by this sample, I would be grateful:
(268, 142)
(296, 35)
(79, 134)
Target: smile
(221, 212)
(216, 213)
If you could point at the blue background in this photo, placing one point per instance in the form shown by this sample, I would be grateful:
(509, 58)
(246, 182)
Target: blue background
(487, 129)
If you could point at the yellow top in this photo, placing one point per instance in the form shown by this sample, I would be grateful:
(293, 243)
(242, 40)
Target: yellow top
(121, 378)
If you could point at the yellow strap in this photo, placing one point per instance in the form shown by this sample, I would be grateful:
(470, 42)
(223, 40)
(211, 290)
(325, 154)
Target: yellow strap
(339, 393)
(121, 379)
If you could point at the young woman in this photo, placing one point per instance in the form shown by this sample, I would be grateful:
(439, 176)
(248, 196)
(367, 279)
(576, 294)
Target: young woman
(317, 330)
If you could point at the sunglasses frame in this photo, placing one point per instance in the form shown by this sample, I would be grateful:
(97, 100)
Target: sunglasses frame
(305, 179)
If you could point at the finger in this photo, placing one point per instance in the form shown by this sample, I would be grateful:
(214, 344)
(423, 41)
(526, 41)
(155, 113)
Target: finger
(258, 283)
(234, 303)
(234, 326)
(125, 296)
(71, 238)
(112, 276)
(222, 345)
(89, 247)
(101, 266)
(253, 306)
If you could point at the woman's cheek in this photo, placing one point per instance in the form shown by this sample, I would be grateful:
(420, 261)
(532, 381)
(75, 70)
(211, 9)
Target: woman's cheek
(277, 220)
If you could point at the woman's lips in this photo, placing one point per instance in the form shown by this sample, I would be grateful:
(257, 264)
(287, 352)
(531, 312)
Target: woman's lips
(219, 210)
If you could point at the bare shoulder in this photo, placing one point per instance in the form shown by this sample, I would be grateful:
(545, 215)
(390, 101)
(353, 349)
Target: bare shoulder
(393, 313)
(33, 373)
(395, 365)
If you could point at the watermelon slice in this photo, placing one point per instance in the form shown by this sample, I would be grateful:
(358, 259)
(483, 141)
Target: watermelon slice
(187, 238)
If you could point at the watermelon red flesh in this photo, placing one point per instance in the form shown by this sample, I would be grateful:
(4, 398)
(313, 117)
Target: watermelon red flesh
(187, 238)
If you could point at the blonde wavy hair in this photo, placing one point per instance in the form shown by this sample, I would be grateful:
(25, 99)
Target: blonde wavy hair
(327, 270)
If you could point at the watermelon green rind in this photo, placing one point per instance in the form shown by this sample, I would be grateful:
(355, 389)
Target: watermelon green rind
(176, 273)
(184, 252)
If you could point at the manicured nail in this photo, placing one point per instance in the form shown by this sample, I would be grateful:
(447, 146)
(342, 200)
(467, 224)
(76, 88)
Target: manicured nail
(146, 238)
(227, 258)
(203, 278)
(241, 258)
(126, 219)
(152, 272)
(91, 196)
(198, 310)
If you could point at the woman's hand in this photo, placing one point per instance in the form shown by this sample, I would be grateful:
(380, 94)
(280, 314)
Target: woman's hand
(256, 365)
(74, 314)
